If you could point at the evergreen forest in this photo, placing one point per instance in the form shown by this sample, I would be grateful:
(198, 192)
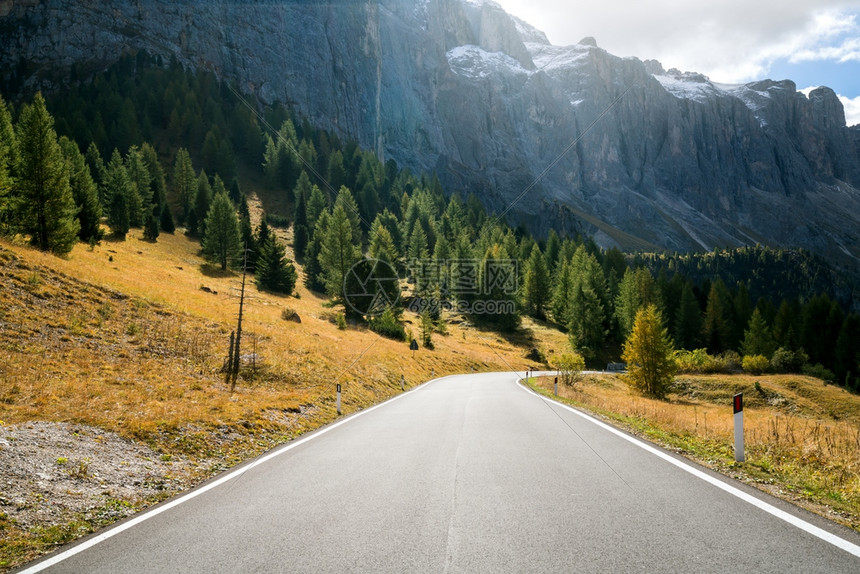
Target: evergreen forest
(150, 145)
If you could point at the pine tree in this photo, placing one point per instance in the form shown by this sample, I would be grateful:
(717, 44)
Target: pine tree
(300, 215)
(786, 325)
(496, 302)
(8, 153)
(140, 193)
(221, 239)
(165, 220)
(847, 353)
(649, 354)
(717, 327)
(249, 243)
(587, 304)
(46, 208)
(553, 248)
(274, 272)
(157, 184)
(316, 205)
(202, 202)
(688, 320)
(336, 171)
(235, 191)
(757, 338)
(381, 244)
(562, 293)
(313, 267)
(97, 171)
(636, 290)
(350, 208)
(184, 183)
(417, 250)
(84, 192)
(536, 284)
(117, 187)
(150, 226)
(338, 251)
(742, 313)
(585, 327)
(264, 234)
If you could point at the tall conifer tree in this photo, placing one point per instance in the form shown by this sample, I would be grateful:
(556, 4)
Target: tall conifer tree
(46, 208)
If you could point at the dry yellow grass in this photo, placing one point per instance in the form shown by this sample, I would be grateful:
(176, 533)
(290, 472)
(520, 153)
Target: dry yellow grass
(134, 343)
(130, 336)
(802, 437)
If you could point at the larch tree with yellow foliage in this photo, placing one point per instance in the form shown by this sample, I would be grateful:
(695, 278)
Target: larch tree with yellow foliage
(649, 354)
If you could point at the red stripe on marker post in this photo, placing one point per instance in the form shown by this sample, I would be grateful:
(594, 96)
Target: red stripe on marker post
(739, 402)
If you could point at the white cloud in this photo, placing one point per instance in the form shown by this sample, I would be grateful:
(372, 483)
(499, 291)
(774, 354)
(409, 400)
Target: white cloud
(852, 110)
(730, 41)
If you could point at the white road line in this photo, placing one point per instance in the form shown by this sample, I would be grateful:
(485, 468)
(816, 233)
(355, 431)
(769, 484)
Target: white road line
(769, 508)
(146, 515)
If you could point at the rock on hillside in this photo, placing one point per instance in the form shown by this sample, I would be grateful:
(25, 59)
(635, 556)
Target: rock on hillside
(653, 157)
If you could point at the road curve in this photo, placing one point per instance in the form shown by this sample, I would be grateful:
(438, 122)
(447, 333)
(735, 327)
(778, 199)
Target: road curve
(470, 473)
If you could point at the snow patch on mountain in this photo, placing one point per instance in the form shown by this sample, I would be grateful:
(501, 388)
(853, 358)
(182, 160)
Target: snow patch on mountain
(697, 87)
(475, 62)
(552, 58)
(528, 33)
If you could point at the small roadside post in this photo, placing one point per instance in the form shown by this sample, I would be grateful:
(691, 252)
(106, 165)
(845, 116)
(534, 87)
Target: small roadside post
(402, 383)
(338, 398)
(739, 427)
(556, 386)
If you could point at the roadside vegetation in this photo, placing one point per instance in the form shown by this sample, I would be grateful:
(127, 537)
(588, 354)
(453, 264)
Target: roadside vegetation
(802, 436)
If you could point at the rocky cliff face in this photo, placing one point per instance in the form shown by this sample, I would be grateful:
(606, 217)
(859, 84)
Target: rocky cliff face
(620, 148)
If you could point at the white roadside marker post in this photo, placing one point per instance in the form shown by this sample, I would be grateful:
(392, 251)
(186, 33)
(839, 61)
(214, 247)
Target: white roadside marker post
(739, 427)
(402, 383)
(556, 386)
(338, 398)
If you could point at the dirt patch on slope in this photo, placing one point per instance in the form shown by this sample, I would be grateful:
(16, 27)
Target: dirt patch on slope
(54, 471)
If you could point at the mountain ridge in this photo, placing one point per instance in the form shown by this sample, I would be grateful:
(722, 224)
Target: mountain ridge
(461, 88)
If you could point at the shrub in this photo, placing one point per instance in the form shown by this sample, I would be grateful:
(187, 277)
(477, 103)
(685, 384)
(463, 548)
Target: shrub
(288, 314)
(819, 372)
(569, 367)
(787, 361)
(387, 325)
(729, 362)
(698, 361)
(756, 364)
(278, 221)
(340, 321)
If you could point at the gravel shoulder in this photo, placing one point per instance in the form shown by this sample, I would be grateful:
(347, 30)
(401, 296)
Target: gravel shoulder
(51, 473)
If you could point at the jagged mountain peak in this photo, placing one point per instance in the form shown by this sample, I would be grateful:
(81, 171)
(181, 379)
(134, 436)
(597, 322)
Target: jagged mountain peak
(652, 157)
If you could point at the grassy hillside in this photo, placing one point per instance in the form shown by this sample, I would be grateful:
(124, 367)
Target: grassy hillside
(129, 338)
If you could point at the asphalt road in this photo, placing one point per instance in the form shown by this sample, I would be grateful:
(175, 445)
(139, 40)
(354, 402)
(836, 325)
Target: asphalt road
(473, 474)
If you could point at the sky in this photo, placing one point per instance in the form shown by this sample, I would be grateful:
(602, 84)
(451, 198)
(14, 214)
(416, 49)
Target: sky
(812, 42)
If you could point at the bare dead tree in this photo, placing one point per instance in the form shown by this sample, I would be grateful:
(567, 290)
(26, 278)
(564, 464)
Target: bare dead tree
(236, 350)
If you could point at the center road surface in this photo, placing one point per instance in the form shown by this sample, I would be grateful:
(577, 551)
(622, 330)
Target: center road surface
(469, 473)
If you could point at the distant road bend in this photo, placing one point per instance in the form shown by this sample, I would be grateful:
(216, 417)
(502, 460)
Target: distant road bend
(470, 473)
